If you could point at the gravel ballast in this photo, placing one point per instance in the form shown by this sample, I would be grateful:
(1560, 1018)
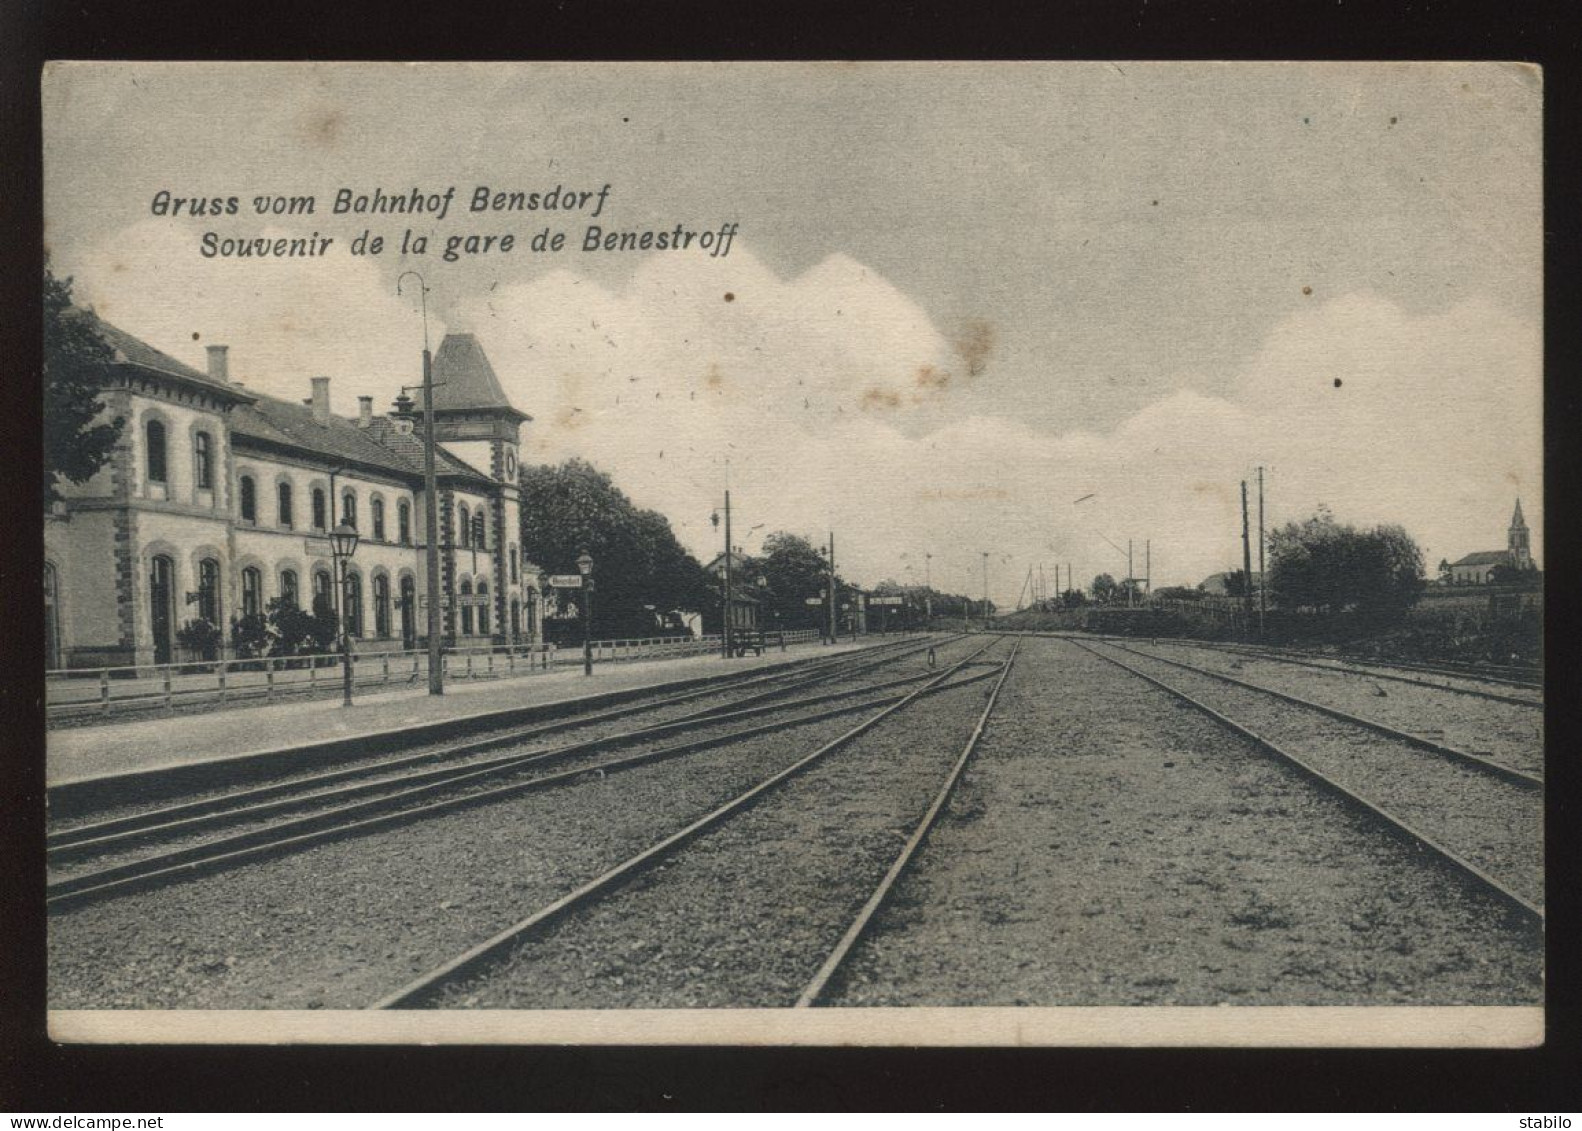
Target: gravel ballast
(1492, 822)
(1112, 846)
(744, 915)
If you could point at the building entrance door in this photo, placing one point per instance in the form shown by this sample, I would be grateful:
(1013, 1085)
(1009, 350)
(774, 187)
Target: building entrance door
(51, 621)
(161, 590)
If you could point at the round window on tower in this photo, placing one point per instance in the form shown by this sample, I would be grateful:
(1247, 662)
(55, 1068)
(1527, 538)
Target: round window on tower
(510, 464)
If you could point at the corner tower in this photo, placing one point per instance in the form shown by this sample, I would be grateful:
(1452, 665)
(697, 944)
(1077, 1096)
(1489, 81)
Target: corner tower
(476, 422)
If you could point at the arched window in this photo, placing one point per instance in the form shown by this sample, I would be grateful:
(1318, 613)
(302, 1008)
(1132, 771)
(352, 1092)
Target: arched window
(382, 607)
(513, 565)
(377, 510)
(483, 608)
(404, 522)
(466, 608)
(252, 592)
(289, 594)
(478, 539)
(209, 590)
(323, 593)
(203, 461)
(463, 525)
(354, 604)
(320, 514)
(156, 451)
(349, 509)
(287, 518)
(249, 500)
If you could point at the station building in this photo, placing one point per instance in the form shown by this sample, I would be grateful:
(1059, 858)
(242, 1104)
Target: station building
(218, 499)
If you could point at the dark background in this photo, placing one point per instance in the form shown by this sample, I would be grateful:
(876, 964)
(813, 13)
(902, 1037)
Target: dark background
(38, 1076)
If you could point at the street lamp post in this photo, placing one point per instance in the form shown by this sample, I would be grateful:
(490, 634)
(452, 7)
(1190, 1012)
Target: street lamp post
(585, 567)
(343, 544)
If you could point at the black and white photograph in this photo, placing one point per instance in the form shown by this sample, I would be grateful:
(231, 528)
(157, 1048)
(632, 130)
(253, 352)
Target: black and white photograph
(794, 553)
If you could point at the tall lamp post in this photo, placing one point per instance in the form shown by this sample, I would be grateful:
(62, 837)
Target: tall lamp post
(585, 567)
(343, 544)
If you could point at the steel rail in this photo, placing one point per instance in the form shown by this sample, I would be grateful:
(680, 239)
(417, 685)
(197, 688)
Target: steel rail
(289, 836)
(1283, 658)
(1477, 761)
(820, 982)
(250, 799)
(1530, 912)
(415, 783)
(419, 989)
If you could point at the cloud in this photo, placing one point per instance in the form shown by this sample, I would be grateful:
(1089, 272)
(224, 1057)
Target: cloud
(838, 404)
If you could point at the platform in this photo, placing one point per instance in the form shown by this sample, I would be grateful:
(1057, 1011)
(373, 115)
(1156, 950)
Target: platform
(85, 753)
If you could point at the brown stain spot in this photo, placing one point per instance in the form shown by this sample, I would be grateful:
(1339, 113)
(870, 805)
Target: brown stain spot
(714, 379)
(323, 126)
(569, 418)
(118, 267)
(1337, 382)
(975, 345)
(729, 297)
(194, 335)
(877, 398)
(930, 378)
(1307, 290)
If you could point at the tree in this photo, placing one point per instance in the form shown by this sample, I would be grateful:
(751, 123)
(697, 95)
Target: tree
(1103, 589)
(74, 359)
(641, 571)
(1445, 572)
(1322, 565)
(1236, 583)
(794, 571)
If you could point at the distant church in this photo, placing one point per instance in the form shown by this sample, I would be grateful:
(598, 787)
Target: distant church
(1478, 568)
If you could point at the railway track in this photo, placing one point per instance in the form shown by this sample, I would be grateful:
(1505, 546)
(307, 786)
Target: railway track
(201, 837)
(488, 958)
(1393, 672)
(1475, 817)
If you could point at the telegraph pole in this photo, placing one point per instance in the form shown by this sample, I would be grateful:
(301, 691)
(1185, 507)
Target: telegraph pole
(832, 637)
(725, 631)
(1129, 585)
(985, 590)
(1263, 577)
(436, 654)
(1148, 567)
(1246, 557)
(928, 588)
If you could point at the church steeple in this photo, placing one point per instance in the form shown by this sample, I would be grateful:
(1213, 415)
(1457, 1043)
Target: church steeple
(1517, 542)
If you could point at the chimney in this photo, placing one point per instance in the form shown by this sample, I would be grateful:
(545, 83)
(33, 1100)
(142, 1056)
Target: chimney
(321, 399)
(219, 363)
(365, 411)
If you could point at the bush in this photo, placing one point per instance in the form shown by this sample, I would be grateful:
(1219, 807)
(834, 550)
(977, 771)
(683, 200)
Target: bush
(201, 637)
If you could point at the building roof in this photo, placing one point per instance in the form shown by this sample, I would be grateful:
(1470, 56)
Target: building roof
(1485, 557)
(464, 381)
(738, 561)
(134, 351)
(275, 421)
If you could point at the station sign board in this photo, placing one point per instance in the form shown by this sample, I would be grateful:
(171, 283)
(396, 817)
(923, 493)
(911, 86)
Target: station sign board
(886, 600)
(422, 601)
(814, 601)
(565, 581)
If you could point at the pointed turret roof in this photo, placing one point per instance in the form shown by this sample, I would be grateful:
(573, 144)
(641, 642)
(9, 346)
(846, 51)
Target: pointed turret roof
(464, 381)
(1516, 519)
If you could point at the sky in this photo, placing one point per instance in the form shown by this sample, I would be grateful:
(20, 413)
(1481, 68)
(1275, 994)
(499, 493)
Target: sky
(1033, 310)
